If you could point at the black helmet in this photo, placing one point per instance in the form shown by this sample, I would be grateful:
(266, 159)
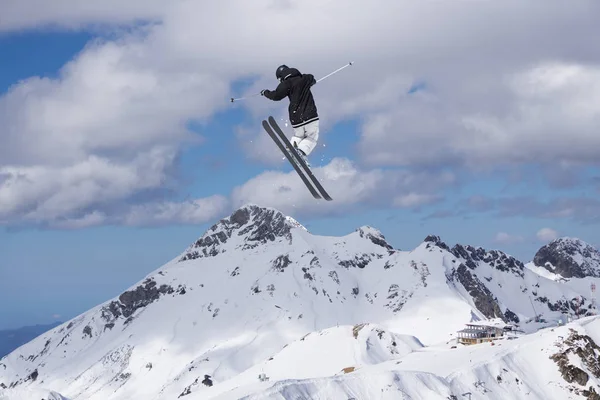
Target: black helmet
(280, 70)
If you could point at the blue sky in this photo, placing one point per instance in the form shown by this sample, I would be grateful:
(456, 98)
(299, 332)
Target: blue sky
(112, 165)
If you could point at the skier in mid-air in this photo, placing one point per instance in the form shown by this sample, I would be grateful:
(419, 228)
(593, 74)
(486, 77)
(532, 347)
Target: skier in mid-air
(302, 109)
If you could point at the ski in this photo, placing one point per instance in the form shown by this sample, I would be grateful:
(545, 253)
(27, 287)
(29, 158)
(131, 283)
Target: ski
(310, 187)
(308, 171)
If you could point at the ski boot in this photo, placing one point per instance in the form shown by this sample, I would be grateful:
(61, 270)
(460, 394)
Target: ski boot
(301, 153)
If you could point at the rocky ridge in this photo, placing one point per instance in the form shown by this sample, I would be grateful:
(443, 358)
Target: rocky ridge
(570, 258)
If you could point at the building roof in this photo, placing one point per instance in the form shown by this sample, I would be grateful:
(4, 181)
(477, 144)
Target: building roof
(491, 323)
(474, 331)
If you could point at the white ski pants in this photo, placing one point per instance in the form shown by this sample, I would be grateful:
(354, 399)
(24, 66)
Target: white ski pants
(306, 137)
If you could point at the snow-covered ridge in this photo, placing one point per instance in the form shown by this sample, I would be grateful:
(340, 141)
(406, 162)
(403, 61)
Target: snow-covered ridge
(257, 292)
(553, 364)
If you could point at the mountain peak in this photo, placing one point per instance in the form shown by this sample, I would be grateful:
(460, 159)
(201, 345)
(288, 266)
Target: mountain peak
(374, 235)
(246, 228)
(437, 241)
(569, 257)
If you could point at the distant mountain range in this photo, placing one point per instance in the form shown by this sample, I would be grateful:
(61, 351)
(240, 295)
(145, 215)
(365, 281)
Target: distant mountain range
(11, 339)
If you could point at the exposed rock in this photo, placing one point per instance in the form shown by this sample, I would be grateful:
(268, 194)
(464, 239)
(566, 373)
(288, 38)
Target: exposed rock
(207, 381)
(482, 297)
(87, 331)
(188, 389)
(461, 252)
(396, 298)
(141, 296)
(433, 240)
(307, 274)
(133, 300)
(357, 262)
(33, 376)
(258, 225)
(314, 263)
(356, 329)
(123, 376)
(255, 288)
(333, 275)
(591, 394)
(496, 259)
(374, 236)
(510, 316)
(574, 306)
(587, 351)
(569, 258)
(281, 263)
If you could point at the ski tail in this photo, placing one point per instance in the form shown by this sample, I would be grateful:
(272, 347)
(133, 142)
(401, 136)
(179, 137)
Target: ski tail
(299, 159)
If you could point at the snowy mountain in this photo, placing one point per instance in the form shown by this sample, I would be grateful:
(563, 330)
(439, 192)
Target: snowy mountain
(569, 258)
(323, 318)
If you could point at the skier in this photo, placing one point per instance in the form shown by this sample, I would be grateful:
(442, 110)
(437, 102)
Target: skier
(302, 109)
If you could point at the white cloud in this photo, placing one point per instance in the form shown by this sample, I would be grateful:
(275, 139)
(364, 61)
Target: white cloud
(506, 238)
(93, 218)
(110, 126)
(545, 115)
(40, 194)
(189, 212)
(348, 185)
(413, 199)
(18, 14)
(91, 193)
(106, 100)
(547, 235)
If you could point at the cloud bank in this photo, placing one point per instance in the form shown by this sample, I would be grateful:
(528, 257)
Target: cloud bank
(435, 86)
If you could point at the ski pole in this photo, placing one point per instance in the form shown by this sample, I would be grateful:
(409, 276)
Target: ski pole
(244, 98)
(326, 76)
(336, 71)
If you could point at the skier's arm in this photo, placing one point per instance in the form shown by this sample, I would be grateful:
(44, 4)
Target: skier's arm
(311, 79)
(278, 94)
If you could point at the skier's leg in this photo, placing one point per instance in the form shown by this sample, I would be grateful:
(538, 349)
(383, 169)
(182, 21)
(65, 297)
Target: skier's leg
(311, 135)
(300, 136)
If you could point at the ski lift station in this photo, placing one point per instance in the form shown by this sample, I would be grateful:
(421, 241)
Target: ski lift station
(483, 331)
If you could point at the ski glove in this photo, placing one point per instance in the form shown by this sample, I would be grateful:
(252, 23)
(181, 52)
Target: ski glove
(262, 92)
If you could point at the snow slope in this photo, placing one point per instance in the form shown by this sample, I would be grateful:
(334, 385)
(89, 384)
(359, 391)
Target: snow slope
(27, 393)
(512, 369)
(258, 293)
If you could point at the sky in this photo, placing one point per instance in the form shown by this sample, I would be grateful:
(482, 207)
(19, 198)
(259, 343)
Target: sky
(473, 120)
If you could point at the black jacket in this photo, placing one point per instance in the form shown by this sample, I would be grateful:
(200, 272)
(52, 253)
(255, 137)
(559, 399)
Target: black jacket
(296, 86)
